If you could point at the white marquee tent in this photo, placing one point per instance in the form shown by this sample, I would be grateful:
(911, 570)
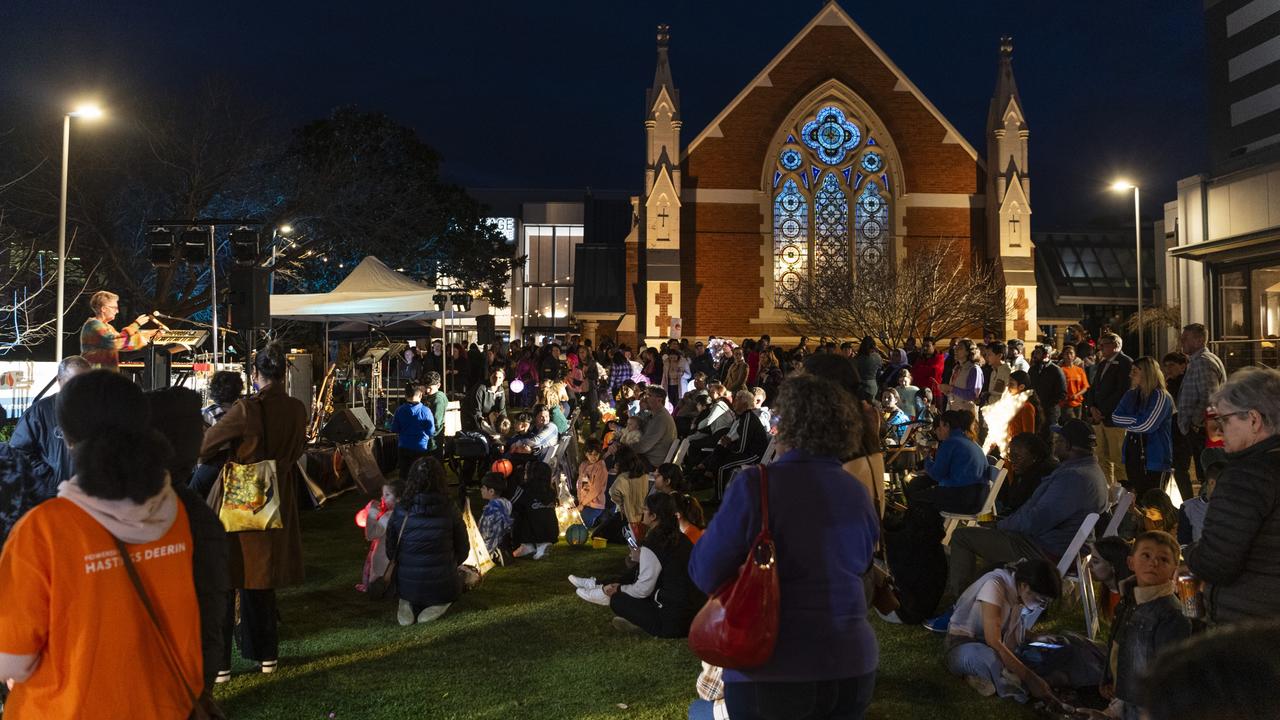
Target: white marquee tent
(374, 294)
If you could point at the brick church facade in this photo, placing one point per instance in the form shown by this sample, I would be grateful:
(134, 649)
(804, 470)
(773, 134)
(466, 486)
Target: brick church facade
(830, 157)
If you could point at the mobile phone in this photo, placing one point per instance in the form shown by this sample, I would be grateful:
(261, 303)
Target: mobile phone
(1046, 646)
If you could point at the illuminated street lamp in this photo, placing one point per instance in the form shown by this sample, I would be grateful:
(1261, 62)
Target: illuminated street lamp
(1125, 186)
(85, 112)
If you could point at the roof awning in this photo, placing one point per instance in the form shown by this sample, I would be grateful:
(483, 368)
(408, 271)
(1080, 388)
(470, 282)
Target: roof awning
(1231, 249)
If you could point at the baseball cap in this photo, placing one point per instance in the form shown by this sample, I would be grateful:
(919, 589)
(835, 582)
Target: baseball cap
(1077, 432)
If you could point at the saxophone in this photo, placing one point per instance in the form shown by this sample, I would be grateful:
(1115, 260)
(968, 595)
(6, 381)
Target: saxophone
(324, 404)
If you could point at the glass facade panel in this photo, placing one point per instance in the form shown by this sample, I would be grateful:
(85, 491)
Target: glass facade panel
(1234, 295)
(548, 274)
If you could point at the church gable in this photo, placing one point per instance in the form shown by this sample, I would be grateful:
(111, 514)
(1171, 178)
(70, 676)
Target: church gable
(729, 153)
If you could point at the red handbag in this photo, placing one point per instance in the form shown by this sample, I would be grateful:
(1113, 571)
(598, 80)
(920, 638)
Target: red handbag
(738, 627)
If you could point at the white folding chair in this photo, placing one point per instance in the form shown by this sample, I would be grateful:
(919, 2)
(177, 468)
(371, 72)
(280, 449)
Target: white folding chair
(1171, 489)
(1082, 581)
(951, 521)
(671, 451)
(1118, 512)
(681, 451)
(770, 451)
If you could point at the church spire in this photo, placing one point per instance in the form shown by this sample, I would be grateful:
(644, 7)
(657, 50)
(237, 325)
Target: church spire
(1006, 88)
(662, 77)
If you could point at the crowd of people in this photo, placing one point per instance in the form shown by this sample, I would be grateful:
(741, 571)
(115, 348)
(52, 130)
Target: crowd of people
(639, 446)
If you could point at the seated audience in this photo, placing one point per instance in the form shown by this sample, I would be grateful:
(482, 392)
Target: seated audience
(957, 478)
(896, 420)
(1046, 524)
(987, 627)
(687, 408)
(428, 541)
(541, 437)
(743, 444)
(659, 428)
(496, 520)
(669, 478)
(663, 600)
(692, 518)
(535, 527)
(593, 477)
(1029, 461)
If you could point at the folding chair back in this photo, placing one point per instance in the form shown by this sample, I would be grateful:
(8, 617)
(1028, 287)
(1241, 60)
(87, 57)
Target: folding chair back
(671, 451)
(681, 450)
(770, 451)
(1073, 550)
(1118, 512)
(1170, 487)
(951, 521)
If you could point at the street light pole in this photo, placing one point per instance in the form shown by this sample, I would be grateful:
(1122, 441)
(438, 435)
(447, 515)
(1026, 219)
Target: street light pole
(1137, 248)
(84, 111)
(62, 237)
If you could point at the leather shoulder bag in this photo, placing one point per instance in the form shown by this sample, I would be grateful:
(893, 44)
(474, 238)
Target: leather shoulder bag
(738, 627)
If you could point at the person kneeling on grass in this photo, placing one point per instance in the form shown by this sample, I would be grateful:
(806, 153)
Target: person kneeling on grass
(495, 521)
(534, 509)
(1149, 618)
(428, 541)
(663, 600)
(987, 627)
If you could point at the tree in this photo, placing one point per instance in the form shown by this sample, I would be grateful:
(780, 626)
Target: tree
(931, 293)
(358, 184)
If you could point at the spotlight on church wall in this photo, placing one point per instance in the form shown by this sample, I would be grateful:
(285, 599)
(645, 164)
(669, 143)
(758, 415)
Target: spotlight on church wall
(441, 300)
(163, 250)
(195, 245)
(244, 246)
(461, 302)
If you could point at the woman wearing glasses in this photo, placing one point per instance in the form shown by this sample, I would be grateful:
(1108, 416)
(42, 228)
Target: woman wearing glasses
(100, 344)
(1238, 554)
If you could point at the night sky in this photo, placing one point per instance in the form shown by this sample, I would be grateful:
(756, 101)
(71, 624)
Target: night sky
(550, 94)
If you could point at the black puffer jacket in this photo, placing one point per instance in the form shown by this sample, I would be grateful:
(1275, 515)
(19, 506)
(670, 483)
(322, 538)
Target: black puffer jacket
(1239, 551)
(434, 544)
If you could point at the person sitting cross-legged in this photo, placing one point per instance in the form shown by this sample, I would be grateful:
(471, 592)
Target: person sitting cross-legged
(1045, 525)
(663, 600)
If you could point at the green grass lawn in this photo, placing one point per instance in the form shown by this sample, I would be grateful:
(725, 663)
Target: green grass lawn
(520, 646)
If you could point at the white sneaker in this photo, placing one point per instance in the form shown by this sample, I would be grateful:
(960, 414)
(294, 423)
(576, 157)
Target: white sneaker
(433, 612)
(593, 595)
(541, 551)
(224, 676)
(523, 550)
(581, 582)
(404, 614)
(269, 666)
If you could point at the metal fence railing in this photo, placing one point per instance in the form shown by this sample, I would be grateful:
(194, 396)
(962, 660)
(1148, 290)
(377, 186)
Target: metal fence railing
(1237, 354)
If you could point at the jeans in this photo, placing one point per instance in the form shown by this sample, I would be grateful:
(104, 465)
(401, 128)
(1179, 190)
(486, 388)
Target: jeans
(590, 515)
(702, 710)
(994, 546)
(976, 658)
(845, 699)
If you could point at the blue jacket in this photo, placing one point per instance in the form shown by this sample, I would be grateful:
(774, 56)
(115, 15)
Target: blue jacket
(416, 425)
(825, 528)
(1152, 419)
(1052, 516)
(959, 462)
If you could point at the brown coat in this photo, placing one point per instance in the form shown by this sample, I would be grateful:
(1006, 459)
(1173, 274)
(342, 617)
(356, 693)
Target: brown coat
(266, 559)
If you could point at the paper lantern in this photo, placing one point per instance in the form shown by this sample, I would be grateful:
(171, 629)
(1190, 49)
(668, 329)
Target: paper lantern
(517, 386)
(362, 517)
(503, 466)
(577, 535)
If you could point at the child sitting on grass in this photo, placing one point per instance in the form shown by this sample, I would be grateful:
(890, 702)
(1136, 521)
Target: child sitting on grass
(593, 477)
(1149, 618)
(495, 521)
(535, 528)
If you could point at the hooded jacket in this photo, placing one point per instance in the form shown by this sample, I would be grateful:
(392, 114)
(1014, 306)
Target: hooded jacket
(434, 543)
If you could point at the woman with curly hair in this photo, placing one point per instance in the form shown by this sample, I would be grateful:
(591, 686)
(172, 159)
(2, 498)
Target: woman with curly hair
(826, 654)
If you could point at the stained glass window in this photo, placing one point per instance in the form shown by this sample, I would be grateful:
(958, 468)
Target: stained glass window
(790, 241)
(831, 228)
(820, 171)
(871, 225)
(830, 135)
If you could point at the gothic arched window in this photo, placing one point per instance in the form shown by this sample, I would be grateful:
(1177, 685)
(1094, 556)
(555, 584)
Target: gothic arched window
(826, 161)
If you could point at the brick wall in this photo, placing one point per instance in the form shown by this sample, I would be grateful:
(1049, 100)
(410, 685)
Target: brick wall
(721, 243)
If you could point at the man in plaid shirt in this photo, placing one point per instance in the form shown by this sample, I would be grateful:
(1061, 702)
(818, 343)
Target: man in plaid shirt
(1204, 375)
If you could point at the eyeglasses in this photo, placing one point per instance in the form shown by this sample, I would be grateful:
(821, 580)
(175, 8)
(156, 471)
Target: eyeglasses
(1218, 421)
